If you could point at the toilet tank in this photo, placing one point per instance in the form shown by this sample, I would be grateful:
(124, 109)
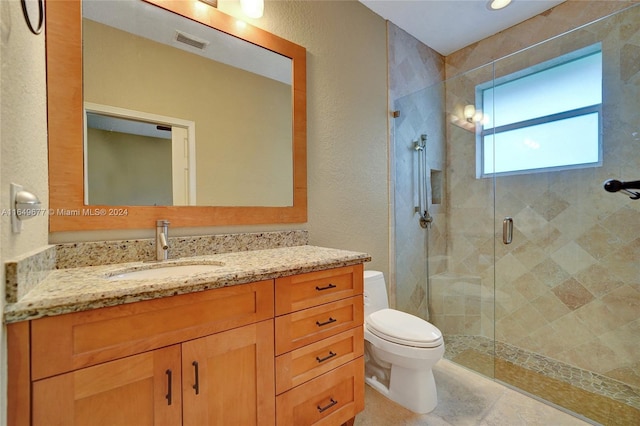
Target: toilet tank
(375, 292)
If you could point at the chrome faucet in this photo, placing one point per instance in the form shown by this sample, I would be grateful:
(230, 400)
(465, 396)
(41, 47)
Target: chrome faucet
(162, 239)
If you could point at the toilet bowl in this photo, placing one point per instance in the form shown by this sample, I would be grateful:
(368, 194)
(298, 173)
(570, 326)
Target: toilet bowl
(400, 350)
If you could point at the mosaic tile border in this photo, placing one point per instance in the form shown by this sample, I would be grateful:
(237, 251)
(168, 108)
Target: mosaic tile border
(579, 378)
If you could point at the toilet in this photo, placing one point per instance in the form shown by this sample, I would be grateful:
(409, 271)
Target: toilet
(400, 350)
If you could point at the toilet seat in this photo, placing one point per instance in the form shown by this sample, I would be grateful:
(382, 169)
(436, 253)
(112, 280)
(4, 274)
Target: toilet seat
(404, 329)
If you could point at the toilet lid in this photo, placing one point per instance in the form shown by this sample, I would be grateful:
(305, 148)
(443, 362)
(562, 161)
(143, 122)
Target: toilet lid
(403, 328)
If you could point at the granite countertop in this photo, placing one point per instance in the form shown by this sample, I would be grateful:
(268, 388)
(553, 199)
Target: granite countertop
(78, 289)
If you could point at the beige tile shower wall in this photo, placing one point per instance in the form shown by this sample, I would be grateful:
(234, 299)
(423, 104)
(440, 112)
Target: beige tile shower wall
(415, 73)
(568, 288)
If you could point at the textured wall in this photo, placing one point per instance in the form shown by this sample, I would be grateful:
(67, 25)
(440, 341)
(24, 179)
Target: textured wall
(24, 126)
(23, 142)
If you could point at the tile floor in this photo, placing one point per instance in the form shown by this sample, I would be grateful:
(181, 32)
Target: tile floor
(465, 399)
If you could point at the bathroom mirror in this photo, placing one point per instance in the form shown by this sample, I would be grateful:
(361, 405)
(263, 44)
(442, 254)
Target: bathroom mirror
(71, 206)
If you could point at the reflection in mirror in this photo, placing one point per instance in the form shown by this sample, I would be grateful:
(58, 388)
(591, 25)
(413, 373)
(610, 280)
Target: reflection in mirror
(237, 94)
(131, 161)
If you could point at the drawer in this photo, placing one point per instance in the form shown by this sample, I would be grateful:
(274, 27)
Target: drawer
(311, 325)
(301, 365)
(328, 400)
(306, 290)
(67, 342)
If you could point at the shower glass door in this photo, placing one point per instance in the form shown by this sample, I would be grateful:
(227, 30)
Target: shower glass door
(564, 119)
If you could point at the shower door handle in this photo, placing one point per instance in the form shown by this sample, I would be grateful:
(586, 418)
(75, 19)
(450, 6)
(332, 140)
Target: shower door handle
(507, 230)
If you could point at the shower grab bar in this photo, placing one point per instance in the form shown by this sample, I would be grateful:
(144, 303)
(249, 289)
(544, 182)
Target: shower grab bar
(613, 185)
(423, 207)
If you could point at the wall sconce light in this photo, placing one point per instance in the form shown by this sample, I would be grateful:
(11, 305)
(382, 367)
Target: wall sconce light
(213, 3)
(252, 8)
(472, 115)
(469, 113)
(25, 206)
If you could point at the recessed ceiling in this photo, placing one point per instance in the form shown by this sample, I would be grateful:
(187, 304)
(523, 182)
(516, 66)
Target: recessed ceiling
(450, 25)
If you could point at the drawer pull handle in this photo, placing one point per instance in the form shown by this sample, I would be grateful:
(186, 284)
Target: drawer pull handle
(330, 286)
(168, 372)
(331, 355)
(196, 386)
(329, 321)
(326, 407)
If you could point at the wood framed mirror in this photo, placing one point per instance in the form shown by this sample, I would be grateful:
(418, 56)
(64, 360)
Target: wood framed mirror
(68, 206)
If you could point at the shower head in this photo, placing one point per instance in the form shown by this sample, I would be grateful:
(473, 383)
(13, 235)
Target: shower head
(613, 185)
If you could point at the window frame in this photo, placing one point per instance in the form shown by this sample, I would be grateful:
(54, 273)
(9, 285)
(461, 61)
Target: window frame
(482, 132)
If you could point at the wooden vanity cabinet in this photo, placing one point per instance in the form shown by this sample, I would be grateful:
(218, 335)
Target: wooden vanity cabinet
(182, 360)
(286, 352)
(319, 347)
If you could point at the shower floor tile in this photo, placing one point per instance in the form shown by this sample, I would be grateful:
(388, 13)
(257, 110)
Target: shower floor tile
(596, 397)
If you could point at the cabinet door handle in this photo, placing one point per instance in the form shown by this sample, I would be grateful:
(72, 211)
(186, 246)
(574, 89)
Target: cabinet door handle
(327, 287)
(329, 321)
(331, 355)
(196, 386)
(326, 407)
(169, 387)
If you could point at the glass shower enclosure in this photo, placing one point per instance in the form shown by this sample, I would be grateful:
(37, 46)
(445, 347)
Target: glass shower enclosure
(531, 269)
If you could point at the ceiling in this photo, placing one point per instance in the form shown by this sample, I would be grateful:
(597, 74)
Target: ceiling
(449, 25)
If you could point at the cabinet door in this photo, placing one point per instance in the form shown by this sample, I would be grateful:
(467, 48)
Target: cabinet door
(142, 389)
(228, 377)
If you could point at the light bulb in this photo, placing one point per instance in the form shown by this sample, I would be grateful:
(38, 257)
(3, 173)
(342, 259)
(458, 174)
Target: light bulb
(252, 8)
(498, 4)
(469, 112)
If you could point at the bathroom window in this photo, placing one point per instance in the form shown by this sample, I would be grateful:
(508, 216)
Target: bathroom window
(543, 118)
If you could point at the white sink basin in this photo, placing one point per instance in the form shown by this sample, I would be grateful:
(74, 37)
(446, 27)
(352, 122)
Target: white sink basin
(160, 271)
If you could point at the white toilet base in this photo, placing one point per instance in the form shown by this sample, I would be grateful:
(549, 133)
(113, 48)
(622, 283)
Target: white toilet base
(394, 365)
(415, 389)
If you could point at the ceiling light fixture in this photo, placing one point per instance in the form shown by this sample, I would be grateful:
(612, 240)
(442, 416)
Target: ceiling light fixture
(213, 3)
(498, 4)
(252, 8)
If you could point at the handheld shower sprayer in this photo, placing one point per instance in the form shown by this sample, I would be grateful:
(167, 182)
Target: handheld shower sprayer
(423, 205)
(613, 185)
